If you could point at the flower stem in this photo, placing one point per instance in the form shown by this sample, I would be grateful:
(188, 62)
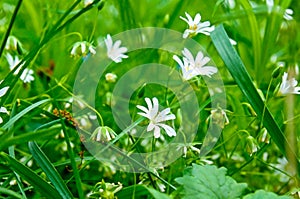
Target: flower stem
(10, 26)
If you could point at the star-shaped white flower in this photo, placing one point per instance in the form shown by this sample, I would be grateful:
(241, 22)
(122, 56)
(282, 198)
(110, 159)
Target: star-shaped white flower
(288, 86)
(114, 51)
(27, 75)
(195, 26)
(156, 118)
(191, 67)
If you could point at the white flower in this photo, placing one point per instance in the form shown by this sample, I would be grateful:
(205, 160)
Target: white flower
(195, 26)
(187, 69)
(110, 77)
(156, 118)
(27, 75)
(3, 90)
(82, 48)
(114, 51)
(13, 62)
(3, 109)
(287, 13)
(191, 67)
(87, 2)
(288, 86)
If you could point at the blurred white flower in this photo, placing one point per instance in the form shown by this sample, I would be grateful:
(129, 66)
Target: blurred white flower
(13, 44)
(195, 26)
(3, 90)
(82, 48)
(288, 86)
(13, 62)
(87, 2)
(230, 3)
(110, 77)
(3, 109)
(114, 51)
(287, 13)
(27, 74)
(156, 118)
(191, 67)
(219, 117)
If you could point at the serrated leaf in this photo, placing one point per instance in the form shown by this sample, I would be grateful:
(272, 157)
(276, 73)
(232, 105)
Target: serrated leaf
(262, 194)
(209, 182)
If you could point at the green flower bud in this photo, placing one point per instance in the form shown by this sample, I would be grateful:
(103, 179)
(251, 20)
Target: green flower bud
(251, 145)
(264, 136)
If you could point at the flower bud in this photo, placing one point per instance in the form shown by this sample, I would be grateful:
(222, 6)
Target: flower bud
(263, 136)
(103, 134)
(251, 145)
(178, 120)
(110, 77)
(82, 49)
(14, 44)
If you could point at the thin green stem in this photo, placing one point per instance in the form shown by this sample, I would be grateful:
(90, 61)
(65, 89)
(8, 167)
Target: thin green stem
(10, 26)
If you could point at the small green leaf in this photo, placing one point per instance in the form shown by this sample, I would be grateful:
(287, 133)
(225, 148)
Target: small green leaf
(261, 194)
(209, 182)
(50, 170)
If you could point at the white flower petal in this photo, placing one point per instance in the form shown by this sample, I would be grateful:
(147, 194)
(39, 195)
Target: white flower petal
(3, 110)
(3, 90)
(156, 132)
(169, 130)
(197, 18)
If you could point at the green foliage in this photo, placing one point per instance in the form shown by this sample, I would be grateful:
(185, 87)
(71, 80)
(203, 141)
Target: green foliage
(209, 182)
(41, 153)
(49, 170)
(261, 194)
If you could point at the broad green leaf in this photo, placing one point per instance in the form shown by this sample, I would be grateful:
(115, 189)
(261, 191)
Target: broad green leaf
(209, 182)
(45, 188)
(238, 71)
(261, 194)
(49, 170)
